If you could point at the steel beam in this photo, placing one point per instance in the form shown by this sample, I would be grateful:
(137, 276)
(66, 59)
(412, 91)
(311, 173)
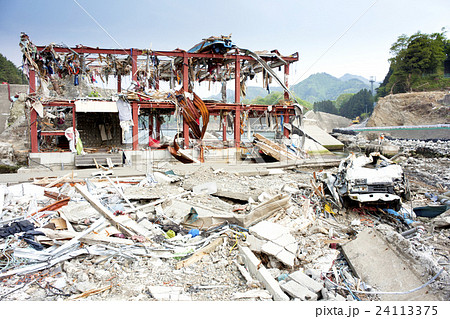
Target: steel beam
(33, 114)
(286, 81)
(135, 138)
(286, 120)
(134, 54)
(186, 89)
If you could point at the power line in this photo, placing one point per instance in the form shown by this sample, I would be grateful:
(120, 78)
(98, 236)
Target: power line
(93, 19)
(329, 48)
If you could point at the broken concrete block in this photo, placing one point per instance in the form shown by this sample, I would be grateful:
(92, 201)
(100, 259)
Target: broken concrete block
(271, 249)
(296, 290)
(255, 293)
(292, 248)
(315, 274)
(306, 281)
(255, 244)
(285, 240)
(207, 188)
(286, 258)
(268, 230)
(374, 260)
(164, 293)
(254, 266)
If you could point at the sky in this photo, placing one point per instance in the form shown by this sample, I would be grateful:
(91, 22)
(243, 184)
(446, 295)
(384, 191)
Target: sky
(332, 36)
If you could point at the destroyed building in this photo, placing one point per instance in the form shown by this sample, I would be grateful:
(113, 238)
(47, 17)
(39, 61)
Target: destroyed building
(197, 224)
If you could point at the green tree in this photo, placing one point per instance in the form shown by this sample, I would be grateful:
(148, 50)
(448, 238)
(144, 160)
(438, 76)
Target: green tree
(361, 102)
(344, 97)
(275, 98)
(326, 106)
(416, 62)
(9, 72)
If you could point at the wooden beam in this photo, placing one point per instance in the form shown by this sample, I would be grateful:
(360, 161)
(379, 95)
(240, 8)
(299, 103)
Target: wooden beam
(103, 210)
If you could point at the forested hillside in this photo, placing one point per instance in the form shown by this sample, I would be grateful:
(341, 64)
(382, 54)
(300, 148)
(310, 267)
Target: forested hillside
(10, 73)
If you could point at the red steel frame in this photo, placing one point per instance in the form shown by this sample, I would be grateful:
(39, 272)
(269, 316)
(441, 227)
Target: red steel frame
(214, 108)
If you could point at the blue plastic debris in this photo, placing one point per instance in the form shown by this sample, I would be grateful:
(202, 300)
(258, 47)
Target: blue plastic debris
(282, 277)
(194, 232)
(403, 217)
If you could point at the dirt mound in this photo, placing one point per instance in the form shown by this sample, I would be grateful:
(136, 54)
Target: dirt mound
(419, 108)
(327, 121)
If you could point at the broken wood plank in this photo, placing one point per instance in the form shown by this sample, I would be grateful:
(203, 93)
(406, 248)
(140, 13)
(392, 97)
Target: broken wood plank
(90, 292)
(103, 210)
(58, 180)
(198, 255)
(275, 150)
(264, 210)
(54, 195)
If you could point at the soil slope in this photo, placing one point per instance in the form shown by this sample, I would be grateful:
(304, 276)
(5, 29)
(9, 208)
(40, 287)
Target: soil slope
(419, 108)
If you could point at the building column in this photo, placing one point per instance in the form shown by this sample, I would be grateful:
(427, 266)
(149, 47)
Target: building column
(33, 115)
(237, 126)
(224, 129)
(134, 64)
(286, 81)
(158, 128)
(237, 100)
(135, 138)
(286, 120)
(150, 130)
(186, 89)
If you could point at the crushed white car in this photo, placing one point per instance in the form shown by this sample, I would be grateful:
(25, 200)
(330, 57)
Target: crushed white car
(372, 179)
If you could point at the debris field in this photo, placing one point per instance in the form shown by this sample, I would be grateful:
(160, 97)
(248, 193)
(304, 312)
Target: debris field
(208, 233)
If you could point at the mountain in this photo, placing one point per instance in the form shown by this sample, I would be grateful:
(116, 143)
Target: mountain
(323, 86)
(348, 76)
(252, 93)
(317, 87)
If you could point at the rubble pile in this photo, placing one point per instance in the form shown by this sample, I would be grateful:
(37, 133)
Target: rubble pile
(207, 234)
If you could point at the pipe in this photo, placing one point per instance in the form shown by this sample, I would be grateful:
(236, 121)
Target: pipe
(9, 92)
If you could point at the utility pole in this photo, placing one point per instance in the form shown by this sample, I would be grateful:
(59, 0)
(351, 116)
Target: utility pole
(372, 79)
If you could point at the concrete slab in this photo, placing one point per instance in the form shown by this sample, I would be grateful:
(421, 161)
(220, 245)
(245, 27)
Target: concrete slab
(296, 290)
(379, 265)
(292, 248)
(271, 249)
(255, 244)
(286, 257)
(267, 230)
(304, 280)
(285, 239)
(322, 137)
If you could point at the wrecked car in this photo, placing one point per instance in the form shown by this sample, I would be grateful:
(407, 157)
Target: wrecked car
(372, 179)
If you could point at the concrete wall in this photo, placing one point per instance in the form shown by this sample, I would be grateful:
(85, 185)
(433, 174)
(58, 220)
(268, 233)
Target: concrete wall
(5, 104)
